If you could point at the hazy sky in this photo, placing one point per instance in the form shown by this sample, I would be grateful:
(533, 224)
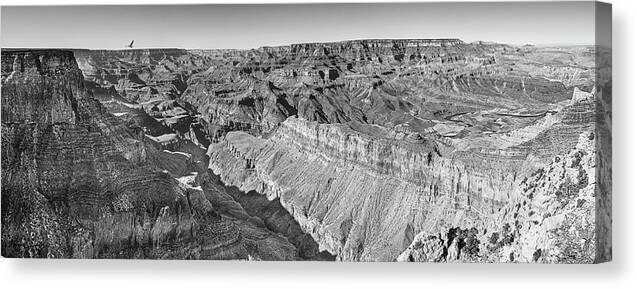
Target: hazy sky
(251, 26)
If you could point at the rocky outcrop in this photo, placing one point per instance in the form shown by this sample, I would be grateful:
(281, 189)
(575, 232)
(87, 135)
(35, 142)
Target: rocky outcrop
(551, 219)
(38, 88)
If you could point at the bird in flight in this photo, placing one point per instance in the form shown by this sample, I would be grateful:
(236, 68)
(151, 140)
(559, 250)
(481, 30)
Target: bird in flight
(131, 44)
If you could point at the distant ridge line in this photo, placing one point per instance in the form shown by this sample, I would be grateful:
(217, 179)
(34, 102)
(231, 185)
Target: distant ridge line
(454, 41)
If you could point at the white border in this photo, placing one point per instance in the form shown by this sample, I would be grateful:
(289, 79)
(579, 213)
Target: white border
(181, 274)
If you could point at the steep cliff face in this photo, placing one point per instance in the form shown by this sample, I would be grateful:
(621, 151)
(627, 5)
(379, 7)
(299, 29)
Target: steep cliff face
(39, 88)
(78, 183)
(366, 192)
(57, 164)
(362, 196)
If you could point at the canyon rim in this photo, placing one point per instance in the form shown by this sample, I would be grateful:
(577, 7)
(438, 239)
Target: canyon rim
(372, 149)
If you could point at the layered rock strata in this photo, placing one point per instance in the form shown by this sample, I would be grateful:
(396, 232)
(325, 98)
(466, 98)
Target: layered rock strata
(385, 82)
(366, 192)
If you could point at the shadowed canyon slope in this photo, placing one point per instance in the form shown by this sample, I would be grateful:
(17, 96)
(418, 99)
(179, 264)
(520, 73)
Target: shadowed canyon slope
(366, 150)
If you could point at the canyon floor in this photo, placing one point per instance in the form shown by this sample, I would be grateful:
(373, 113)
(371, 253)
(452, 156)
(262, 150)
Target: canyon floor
(421, 150)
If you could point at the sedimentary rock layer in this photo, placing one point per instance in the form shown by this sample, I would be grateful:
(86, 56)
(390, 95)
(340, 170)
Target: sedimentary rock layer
(365, 191)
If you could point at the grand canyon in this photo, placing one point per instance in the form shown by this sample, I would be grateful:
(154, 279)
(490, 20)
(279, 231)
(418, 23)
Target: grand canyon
(411, 150)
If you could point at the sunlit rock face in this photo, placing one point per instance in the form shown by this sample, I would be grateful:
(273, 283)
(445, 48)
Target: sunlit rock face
(367, 150)
(365, 197)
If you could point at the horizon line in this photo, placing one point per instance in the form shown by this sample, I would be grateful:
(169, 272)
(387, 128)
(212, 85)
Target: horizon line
(302, 43)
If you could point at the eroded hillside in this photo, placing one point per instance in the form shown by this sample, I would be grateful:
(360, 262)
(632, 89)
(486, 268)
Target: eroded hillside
(383, 150)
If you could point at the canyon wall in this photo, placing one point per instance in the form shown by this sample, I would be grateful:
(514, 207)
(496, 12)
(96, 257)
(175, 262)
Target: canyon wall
(369, 193)
(360, 208)
(79, 183)
(363, 197)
